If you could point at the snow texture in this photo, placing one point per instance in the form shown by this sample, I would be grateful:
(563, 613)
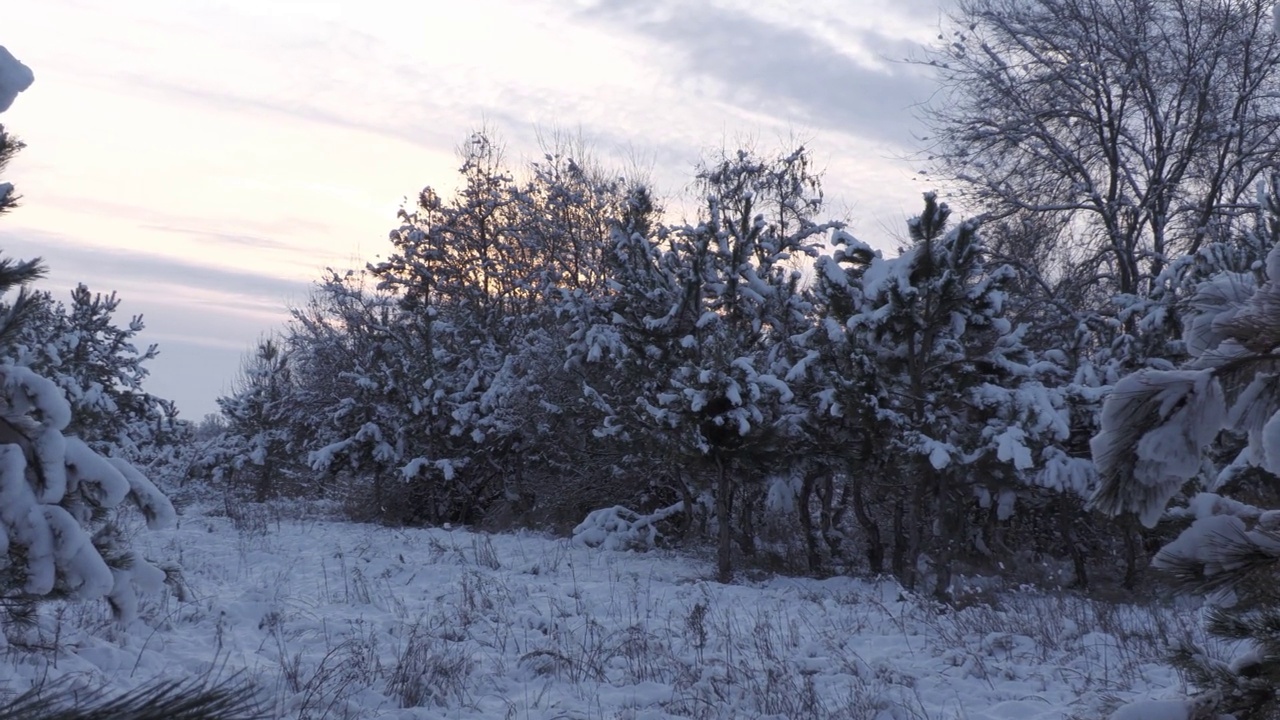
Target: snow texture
(417, 624)
(1154, 710)
(51, 486)
(1203, 542)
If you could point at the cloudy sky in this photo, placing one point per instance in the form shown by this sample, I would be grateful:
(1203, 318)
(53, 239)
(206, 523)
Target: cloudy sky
(207, 159)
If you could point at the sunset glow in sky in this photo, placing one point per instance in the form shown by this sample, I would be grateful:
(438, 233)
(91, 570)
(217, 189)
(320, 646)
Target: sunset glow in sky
(208, 159)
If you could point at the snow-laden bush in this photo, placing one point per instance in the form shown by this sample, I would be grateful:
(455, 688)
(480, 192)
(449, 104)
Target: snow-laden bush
(618, 528)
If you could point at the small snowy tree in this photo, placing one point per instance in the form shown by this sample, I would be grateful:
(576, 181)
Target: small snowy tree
(838, 386)
(481, 281)
(954, 392)
(353, 359)
(699, 322)
(257, 444)
(79, 346)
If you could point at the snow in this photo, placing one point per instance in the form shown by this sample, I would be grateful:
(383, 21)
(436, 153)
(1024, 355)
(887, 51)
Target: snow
(1270, 443)
(619, 528)
(1203, 541)
(29, 392)
(1183, 409)
(346, 620)
(14, 78)
(83, 570)
(1155, 710)
(1011, 446)
(155, 507)
(939, 454)
(84, 466)
(22, 521)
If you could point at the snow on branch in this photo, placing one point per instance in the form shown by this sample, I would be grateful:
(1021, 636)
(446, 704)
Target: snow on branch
(1153, 429)
(14, 78)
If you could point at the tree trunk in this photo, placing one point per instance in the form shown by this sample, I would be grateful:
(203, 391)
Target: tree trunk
(264, 482)
(747, 519)
(835, 536)
(950, 528)
(686, 497)
(916, 517)
(900, 541)
(806, 523)
(942, 590)
(1131, 551)
(724, 553)
(875, 546)
(1068, 515)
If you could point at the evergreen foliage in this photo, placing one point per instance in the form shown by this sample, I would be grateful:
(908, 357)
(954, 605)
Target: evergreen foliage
(230, 699)
(59, 531)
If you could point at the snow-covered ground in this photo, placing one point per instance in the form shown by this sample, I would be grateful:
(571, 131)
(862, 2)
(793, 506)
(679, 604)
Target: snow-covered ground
(338, 620)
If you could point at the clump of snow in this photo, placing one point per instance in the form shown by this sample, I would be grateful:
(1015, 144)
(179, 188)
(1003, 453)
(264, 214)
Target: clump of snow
(1204, 541)
(1157, 423)
(618, 528)
(14, 78)
(155, 506)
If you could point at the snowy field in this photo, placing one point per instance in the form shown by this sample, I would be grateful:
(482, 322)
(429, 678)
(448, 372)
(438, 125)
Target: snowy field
(338, 620)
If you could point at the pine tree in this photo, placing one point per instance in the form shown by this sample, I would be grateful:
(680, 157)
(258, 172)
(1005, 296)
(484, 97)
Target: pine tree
(353, 359)
(954, 391)
(1157, 429)
(482, 281)
(257, 443)
(59, 536)
(79, 346)
(699, 323)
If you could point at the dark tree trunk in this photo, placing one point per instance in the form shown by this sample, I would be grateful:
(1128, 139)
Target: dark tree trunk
(914, 519)
(747, 521)
(900, 540)
(1067, 518)
(838, 511)
(724, 551)
(813, 555)
(950, 529)
(832, 512)
(1131, 552)
(942, 590)
(686, 497)
(875, 546)
(265, 473)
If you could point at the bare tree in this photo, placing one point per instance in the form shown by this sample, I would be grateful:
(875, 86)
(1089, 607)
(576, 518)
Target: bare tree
(1137, 126)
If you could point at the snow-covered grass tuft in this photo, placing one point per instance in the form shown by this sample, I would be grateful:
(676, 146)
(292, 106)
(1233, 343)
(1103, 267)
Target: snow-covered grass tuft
(335, 620)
